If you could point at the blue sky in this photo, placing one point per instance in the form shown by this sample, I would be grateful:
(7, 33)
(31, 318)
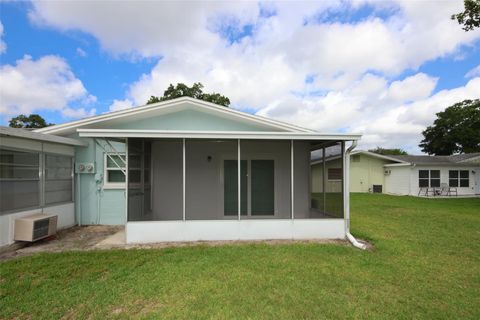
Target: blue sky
(381, 69)
(103, 75)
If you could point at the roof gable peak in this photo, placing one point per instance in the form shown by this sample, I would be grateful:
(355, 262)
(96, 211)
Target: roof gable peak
(174, 105)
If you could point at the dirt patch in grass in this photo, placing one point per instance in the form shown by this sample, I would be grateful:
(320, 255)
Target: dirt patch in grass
(75, 238)
(160, 245)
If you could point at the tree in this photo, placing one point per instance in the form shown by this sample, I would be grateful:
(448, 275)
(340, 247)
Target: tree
(195, 91)
(470, 18)
(456, 130)
(33, 121)
(385, 152)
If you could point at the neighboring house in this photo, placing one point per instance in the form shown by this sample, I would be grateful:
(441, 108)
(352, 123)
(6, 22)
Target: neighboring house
(36, 175)
(461, 172)
(403, 175)
(186, 170)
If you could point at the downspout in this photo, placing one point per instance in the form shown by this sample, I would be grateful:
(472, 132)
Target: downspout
(346, 198)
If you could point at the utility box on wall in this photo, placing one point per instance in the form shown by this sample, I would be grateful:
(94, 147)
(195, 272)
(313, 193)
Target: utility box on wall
(85, 167)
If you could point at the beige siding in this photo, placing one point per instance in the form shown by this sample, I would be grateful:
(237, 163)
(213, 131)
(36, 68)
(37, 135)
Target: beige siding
(317, 177)
(363, 174)
(366, 172)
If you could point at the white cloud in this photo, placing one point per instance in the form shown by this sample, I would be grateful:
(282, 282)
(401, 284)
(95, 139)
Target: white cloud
(3, 45)
(355, 64)
(473, 72)
(44, 84)
(147, 28)
(416, 87)
(78, 112)
(121, 105)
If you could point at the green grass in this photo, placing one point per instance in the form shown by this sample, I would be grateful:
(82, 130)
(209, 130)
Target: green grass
(426, 264)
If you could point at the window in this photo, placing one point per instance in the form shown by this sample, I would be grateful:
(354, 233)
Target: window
(458, 178)
(58, 179)
(334, 174)
(114, 176)
(19, 179)
(429, 178)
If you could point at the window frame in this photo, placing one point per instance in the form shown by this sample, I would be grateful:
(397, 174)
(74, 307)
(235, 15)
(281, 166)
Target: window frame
(459, 178)
(341, 174)
(106, 183)
(40, 180)
(44, 178)
(429, 178)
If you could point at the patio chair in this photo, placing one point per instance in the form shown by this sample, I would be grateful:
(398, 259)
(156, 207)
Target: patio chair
(422, 190)
(446, 190)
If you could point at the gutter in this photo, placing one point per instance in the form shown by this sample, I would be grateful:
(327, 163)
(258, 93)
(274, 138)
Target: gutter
(346, 198)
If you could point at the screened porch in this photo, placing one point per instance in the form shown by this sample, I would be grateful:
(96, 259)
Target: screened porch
(233, 179)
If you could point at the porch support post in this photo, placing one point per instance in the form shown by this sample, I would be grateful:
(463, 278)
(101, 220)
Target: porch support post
(126, 178)
(184, 178)
(239, 175)
(323, 181)
(292, 194)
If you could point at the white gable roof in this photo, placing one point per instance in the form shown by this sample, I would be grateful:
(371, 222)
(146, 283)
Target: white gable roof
(168, 107)
(30, 135)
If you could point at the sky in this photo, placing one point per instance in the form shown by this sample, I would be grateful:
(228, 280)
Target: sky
(379, 68)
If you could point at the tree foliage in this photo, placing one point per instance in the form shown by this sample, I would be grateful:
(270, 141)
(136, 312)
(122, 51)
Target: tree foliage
(470, 18)
(456, 130)
(385, 151)
(33, 121)
(195, 91)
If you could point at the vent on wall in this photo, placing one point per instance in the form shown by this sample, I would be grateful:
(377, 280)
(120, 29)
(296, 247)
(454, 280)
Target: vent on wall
(35, 227)
(356, 158)
(387, 172)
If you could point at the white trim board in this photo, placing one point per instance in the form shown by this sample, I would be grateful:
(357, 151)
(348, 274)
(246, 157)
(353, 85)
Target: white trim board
(112, 133)
(217, 230)
(221, 110)
(380, 156)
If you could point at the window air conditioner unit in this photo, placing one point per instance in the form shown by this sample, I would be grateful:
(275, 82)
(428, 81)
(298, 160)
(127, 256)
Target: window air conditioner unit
(35, 227)
(387, 172)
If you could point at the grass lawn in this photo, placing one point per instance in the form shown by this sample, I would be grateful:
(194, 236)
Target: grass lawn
(426, 264)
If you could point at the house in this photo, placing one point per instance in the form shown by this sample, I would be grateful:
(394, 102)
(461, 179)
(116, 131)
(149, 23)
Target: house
(36, 176)
(414, 175)
(187, 170)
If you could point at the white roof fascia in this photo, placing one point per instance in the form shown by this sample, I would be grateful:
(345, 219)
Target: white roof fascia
(25, 134)
(404, 164)
(114, 133)
(167, 104)
(380, 156)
